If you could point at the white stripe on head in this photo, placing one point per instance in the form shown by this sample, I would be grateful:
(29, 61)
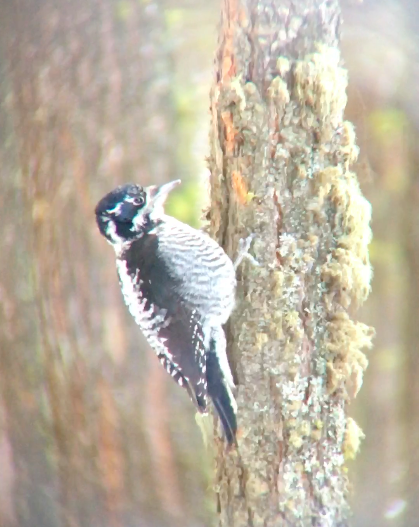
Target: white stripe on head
(117, 209)
(138, 220)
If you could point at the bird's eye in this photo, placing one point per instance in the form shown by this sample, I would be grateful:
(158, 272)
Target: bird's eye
(138, 201)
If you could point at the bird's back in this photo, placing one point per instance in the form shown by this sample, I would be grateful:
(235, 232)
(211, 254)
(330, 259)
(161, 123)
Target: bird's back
(201, 273)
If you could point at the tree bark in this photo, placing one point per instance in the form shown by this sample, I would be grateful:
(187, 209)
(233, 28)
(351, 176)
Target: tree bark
(280, 168)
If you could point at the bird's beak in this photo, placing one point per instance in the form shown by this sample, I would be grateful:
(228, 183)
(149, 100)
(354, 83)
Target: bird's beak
(159, 194)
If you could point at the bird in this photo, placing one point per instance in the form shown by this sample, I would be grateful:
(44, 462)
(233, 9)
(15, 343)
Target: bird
(179, 285)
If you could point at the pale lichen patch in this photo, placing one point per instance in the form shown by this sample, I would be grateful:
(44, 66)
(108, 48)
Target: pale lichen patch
(278, 92)
(320, 84)
(352, 441)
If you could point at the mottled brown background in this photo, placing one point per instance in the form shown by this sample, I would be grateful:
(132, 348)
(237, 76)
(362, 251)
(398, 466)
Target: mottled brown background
(98, 92)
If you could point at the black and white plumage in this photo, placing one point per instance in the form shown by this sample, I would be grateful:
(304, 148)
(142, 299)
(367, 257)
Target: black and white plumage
(179, 285)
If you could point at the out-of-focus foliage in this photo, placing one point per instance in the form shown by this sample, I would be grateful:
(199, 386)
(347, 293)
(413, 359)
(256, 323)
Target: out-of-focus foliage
(380, 43)
(186, 205)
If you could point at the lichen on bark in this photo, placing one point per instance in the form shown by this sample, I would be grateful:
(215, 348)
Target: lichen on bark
(280, 162)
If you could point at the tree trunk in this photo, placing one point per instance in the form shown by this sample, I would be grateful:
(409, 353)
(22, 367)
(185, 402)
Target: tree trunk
(280, 168)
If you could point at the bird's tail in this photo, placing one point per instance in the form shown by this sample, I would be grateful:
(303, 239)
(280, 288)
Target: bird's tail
(221, 395)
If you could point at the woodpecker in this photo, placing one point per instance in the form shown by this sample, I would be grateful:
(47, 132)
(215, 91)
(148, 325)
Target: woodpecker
(179, 285)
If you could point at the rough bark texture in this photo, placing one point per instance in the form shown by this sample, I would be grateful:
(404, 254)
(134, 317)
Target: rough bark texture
(280, 168)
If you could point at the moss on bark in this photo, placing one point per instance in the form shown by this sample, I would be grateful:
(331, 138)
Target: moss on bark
(280, 162)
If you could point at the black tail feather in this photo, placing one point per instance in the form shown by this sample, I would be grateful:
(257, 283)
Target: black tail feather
(222, 397)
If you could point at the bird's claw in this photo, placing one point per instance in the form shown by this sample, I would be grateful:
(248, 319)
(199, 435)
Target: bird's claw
(243, 252)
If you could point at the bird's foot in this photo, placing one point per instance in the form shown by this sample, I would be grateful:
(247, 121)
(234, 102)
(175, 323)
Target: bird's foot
(243, 252)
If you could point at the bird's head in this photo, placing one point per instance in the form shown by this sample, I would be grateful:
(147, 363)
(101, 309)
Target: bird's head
(124, 214)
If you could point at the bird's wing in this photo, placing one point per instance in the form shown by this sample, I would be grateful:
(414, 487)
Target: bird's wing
(171, 327)
(200, 271)
(187, 364)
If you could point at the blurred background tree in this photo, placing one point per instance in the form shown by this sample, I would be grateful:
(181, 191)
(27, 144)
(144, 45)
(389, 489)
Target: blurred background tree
(91, 432)
(97, 92)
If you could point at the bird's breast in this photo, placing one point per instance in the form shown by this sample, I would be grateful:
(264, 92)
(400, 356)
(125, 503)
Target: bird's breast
(146, 314)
